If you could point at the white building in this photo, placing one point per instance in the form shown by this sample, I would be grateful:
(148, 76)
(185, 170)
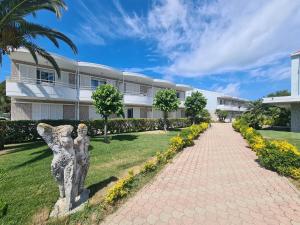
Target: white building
(215, 100)
(292, 102)
(37, 93)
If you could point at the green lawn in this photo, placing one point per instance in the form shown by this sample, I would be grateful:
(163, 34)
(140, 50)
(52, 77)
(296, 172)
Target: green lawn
(27, 186)
(292, 137)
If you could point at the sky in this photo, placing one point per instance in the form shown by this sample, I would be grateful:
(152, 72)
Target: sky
(238, 47)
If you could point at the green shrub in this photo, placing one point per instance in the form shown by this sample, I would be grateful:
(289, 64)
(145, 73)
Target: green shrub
(2, 136)
(3, 208)
(12, 132)
(279, 156)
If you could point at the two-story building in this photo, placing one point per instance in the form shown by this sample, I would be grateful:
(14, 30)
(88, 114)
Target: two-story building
(215, 100)
(292, 102)
(38, 93)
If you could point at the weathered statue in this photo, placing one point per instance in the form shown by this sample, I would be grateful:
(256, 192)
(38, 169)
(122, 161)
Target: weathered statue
(69, 165)
(63, 164)
(81, 146)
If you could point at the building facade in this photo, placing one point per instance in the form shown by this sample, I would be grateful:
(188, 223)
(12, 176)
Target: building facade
(291, 102)
(38, 93)
(216, 100)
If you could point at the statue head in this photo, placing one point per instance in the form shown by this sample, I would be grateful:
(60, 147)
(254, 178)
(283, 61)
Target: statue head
(64, 135)
(82, 129)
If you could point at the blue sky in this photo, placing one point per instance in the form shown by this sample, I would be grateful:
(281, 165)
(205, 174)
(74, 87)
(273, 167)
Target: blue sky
(239, 47)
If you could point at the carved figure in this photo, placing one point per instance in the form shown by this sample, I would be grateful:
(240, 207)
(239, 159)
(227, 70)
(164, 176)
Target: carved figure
(63, 166)
(81, 146)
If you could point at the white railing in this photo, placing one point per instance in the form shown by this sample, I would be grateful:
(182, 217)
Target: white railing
(138, 93)
(27, 80)
(231, 108)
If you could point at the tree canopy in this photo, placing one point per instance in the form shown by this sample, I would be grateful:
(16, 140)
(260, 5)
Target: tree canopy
(260, 115)
(166, 101)
(16, 31)
(107, 100)
(195, 104)
(221, 114)
(4, 100)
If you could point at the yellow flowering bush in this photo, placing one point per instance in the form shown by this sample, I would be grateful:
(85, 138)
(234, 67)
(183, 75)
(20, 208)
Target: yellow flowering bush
(284, 146)
(258, 143)
(177, 143)
(149, 166)
(276, 155)
(120, 189)
(295, 173)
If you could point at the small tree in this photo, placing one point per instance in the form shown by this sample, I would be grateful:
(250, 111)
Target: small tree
(166, 101)
(221, 114)
(107, 101)
(194, 105)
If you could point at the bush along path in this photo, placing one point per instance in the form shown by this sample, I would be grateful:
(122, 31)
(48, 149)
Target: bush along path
(276, 155)
(216, 181)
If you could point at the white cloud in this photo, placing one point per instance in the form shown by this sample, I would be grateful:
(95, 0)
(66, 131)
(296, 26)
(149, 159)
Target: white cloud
(230, 89)
(207, 37)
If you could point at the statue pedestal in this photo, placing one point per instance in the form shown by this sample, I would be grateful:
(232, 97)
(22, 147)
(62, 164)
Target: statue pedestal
(60, 209)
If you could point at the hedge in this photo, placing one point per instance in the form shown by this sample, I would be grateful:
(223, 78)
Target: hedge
(276, 155)
(12, 132)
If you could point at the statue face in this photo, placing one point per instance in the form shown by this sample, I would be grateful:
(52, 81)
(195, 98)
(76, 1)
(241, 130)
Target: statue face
(82, 131)
(66, 141)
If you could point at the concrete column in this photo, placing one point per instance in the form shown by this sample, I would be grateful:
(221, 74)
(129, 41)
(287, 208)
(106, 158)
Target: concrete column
(295, 117)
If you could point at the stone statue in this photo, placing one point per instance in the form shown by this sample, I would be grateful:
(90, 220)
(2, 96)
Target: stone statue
(81, 146)
(63, 166)
(69, 165)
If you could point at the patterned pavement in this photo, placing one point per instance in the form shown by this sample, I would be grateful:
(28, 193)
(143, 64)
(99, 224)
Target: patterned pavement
(217, 181)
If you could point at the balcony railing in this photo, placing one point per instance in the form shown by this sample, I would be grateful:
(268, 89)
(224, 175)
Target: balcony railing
(27, 80)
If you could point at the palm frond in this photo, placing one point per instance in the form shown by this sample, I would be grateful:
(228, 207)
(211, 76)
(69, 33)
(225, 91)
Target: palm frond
(15, 9)
(33, 49)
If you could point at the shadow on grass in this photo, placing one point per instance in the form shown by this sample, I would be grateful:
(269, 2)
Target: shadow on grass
(22, 147)
(94, 188)
(45, 153)
(119, 137)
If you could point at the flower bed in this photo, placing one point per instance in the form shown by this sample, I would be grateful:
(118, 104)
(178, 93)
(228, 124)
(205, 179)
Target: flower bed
(276, 155)
(122, 188)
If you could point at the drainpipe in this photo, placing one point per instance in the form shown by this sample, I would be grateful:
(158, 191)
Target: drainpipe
(77, 91)
(152, 101)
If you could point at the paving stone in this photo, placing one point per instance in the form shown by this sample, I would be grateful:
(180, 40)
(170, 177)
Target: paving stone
(216, 181)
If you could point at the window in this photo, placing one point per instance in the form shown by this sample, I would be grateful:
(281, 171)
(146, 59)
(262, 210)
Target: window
(45, 76)
(95, 83)
(130, 113)
(178, 94)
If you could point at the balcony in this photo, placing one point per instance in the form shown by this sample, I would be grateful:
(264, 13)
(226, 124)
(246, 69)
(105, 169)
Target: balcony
(40, 89)
(130, 97)
(232, 108)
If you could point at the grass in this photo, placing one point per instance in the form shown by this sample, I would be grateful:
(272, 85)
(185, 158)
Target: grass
(28, 187)
(291, 137)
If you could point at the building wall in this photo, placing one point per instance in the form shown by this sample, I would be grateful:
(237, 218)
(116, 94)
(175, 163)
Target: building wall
(295, 117)
(295, 81)
(69, 112)
(21, 111)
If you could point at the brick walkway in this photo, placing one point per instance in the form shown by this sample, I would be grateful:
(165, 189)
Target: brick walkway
(217, 181)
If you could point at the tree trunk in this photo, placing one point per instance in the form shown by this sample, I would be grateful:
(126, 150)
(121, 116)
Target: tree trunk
(105, 129)
(165, 121)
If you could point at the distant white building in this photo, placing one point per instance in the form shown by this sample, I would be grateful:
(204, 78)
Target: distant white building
(215, 100)
(291, 102)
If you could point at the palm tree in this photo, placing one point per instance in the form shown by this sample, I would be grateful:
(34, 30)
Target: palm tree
(16, 31)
